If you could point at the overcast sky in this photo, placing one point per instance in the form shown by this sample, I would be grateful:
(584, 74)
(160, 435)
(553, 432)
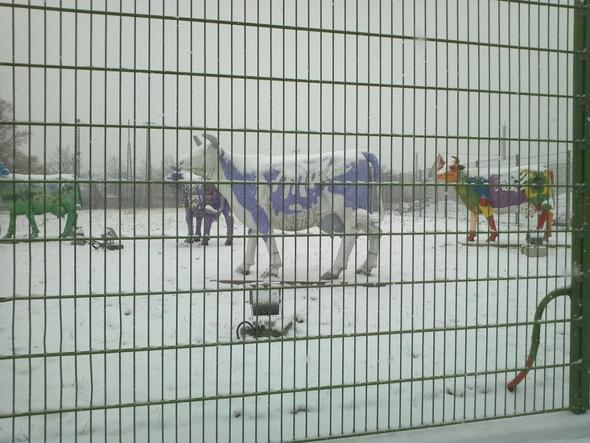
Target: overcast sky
(185, 47)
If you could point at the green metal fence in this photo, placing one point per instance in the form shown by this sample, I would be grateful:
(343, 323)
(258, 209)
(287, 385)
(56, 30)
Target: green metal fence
(375, 129)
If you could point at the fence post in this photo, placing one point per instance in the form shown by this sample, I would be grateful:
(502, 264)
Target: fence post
(580, 299)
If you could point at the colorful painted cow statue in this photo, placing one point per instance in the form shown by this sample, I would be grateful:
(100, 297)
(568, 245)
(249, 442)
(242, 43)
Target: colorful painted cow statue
(32, 195)
(202, 202)
(335, 192)
(484, 196)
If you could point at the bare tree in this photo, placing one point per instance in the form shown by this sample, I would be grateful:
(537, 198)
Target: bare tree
(61, 161)
(10, 138)
(114, 168)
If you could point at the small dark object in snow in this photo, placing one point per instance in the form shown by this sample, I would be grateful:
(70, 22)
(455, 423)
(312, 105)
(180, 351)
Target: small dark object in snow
(535, 240)
(454, 393)
(108, 241)
(237, 413)
(256, 330)
(79, 239)
(297, 409)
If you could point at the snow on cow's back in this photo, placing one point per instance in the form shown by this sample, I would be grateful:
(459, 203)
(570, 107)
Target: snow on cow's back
(299, 183)
(39, 177)
(49, 182)
(307, 168)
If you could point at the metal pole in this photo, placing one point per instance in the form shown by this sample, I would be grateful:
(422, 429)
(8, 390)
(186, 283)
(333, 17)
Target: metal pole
(568, 183)
(580, 300)
(148, 163)
(130, 163)
(503, 142)
(148, 154)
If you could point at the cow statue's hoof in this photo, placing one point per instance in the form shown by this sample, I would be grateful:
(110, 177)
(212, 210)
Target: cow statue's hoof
(471, 236)
(493, 237)
(364, 270)
(329, 275)
(204, 241)
(189, 240)
(270, 273)
(228, 242)
(241, 270)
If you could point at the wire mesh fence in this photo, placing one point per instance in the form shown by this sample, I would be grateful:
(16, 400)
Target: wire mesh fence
(289, 220)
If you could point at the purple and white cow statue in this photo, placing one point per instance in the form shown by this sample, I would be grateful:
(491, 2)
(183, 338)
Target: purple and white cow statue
(202, 202)
(333, 191)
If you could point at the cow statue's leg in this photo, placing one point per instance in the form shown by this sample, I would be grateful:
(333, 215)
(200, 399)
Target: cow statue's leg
(249, 254)
(486, 209)
(549, 229)
(275, 261)
(198, 215)
(473, 217)
(209, 219)
(229, 223)
(33, 229)
(545, 218)
(11, 225)
(371, 226)
(493, 229)
(71, 220)
(188, 218)
(348, 241)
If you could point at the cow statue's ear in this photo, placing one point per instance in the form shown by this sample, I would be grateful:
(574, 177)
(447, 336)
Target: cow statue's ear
(456, 163)
(211, 156)
(197, 140)
(212, 140)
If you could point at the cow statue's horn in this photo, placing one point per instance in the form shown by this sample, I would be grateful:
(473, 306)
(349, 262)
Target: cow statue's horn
(197, 140)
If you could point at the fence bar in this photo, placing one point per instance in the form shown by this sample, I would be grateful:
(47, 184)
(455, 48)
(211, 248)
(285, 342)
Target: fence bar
(580, 300)
(386, 307)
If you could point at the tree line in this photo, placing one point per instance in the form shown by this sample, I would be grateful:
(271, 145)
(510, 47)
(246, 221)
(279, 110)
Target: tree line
(97, 191)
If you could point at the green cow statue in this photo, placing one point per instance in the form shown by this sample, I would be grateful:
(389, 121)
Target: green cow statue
(32, 195)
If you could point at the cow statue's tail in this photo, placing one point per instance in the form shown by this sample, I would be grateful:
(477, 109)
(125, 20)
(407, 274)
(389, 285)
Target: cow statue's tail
(375, 203)
(79, 202)
(551, 180)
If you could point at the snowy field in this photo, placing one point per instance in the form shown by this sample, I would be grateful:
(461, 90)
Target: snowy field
(146, 326)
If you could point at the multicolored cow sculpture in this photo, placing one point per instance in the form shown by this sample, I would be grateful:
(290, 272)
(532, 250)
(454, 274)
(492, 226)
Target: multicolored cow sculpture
(483, 196)
(335, 192)
(202, 201)
(32, 195)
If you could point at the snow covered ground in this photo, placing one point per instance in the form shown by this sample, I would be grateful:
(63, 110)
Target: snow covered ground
(437, 343)
(558, 427)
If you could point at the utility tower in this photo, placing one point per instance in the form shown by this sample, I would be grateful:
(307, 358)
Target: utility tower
(77, 150)
(130, 160)
(148, 152)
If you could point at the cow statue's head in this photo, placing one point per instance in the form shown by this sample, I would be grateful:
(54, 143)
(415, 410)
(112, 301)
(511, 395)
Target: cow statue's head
(203, 159)
(448, 172)
(4, 171)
